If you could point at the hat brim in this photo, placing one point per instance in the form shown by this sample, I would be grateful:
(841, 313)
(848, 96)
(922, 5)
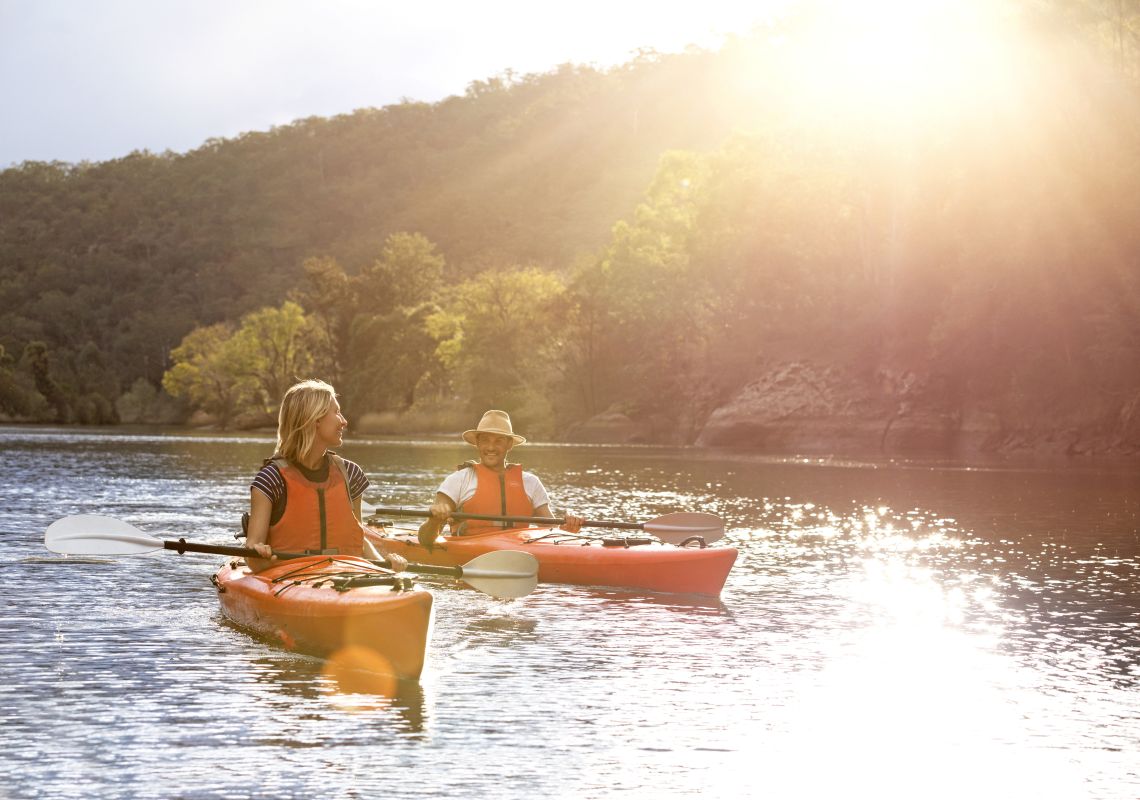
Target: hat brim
(469, 436)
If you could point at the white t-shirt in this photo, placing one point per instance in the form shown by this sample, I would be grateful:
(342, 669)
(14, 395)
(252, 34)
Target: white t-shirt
(460, 487)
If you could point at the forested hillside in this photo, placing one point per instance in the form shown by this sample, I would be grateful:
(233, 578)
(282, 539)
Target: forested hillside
(105, 267)
(646, 241)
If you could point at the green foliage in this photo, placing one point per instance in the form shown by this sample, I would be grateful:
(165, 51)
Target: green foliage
(244, 372)
(682, 219)
(407, 273)
(213, 370)
(500, 342)
(37, 360)
(17, 398)
(144, 404)
(277, 348)
(371, 336)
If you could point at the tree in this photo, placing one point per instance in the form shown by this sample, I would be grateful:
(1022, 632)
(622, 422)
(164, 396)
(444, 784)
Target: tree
(499, 338)
(37, 359)
(407, 274)
(329, 296)
(213, 370)
(388, 343)
(277, 347)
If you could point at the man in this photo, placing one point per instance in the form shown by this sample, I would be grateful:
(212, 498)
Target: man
(490, 485)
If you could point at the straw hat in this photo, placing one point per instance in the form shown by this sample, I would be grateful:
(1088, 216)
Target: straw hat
(498, 422)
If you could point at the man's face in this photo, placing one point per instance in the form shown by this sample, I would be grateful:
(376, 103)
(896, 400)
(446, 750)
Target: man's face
(493, 449)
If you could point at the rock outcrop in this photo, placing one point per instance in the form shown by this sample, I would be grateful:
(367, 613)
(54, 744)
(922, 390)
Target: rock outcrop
(810, 408)
(611, 427)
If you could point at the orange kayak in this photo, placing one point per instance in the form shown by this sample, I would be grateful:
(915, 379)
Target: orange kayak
(324, 604)
(628, 562)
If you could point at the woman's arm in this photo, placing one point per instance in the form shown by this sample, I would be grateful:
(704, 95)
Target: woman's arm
(396, 562)
(257, 534)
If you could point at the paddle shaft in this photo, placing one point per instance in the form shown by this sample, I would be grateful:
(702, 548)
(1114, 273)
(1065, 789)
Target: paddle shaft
(183, 546)
(590, 523)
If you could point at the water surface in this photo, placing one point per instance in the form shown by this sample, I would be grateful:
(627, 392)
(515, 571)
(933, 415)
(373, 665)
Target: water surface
(890, 630)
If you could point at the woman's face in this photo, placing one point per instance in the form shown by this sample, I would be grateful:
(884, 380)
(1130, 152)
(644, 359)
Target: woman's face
(493, 449)
(330, 428)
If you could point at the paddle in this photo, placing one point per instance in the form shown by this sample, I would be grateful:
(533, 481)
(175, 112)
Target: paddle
(672, 528)
(504, 574)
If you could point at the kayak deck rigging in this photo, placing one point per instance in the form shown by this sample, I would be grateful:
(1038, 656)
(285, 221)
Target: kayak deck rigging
(324, 604)
(550, 536)
(316, 574)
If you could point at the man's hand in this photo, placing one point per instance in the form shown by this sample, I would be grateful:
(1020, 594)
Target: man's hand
(427, 534)
(572, 523)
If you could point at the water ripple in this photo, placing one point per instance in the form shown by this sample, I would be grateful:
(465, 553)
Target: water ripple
(884, 623)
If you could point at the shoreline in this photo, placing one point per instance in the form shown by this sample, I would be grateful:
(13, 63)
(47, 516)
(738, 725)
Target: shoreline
(839, 457)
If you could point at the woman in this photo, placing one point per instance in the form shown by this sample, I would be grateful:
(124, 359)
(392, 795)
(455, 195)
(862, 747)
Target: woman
(306, 498)
(490, 485)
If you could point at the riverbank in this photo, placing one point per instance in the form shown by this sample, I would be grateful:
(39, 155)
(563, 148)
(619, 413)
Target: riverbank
(789, 409)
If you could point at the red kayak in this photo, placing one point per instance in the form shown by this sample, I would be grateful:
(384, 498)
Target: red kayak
(324, 604)
(623, 561)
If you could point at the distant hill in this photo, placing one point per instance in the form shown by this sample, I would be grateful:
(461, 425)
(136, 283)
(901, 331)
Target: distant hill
(658, 245)
(129, 254)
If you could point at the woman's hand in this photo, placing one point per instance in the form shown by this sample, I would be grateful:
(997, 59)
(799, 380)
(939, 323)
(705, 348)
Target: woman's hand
(264, 550)
(397, 563)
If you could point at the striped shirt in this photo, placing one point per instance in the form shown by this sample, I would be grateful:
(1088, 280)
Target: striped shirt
(270, 483)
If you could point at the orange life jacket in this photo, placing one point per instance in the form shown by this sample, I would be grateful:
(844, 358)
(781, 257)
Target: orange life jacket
(318, 516)
(501, 495)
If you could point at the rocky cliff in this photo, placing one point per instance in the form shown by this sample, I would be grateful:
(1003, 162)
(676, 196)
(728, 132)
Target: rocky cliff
(810, 408)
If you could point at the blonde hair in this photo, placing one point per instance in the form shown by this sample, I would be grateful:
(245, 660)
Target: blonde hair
(304, 403)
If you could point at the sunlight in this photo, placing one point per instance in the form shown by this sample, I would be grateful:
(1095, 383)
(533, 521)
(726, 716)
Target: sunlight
(890, 61)
(893, 702)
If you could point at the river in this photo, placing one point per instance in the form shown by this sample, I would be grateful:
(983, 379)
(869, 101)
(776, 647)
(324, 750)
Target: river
(890, 630)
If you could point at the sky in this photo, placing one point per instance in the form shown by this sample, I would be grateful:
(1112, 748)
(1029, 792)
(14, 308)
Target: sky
(93, 80)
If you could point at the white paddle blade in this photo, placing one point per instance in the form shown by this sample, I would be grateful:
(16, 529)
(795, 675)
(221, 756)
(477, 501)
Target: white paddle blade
(95, 535)
(676, 528)
(505, 574)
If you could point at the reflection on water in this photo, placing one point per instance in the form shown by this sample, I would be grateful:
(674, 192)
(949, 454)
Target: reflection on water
(504, 631)
(889, 630)
(680, 603)
(304, 678)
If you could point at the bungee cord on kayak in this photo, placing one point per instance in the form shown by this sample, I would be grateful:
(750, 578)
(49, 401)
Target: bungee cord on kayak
(353, 575)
